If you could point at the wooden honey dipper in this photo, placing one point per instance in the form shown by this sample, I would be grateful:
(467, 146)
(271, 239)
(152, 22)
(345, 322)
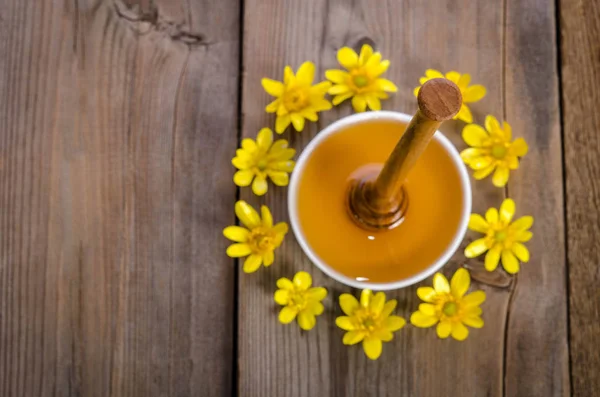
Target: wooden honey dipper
(381, 203)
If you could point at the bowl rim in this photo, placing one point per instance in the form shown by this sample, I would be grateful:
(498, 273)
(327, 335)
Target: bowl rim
(339, 126)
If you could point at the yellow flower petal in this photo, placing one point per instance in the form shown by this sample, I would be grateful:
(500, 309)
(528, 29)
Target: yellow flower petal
(379, 69)
(460, 282)
(347, 57)
(260, 186)
(473, 321)
(510, 262)
(306, 73)
(388, 308)
(268, 258)
(365, 297)
(476, 248)
(309, 114)
(247, 215)
(474, 135)
(521, 252)
(373, 102)
(464, 81)
(306, 320)
(522, 224)
(278, 147)
(377, 302)
(507, 131)
(320, 89)
(316, 308)
(336, 76)
(359, 103)
(284, 166)
(459, 331)
(475, 298)
(386, 85)
(348, 303)
(480, 174)
(427, 294)
(478, 224)
(287, 315)
(249, 145)
(267, 218)
(341, 98)
(420, 320)
(302, 280)
(317, 293)
(492, 125)
(365, 53)
(320, 105)
(297, 121)
(482, 162)
(440, 283)
(372, 61)
(394, 323)
(383, 334)
(241, 163)
(492, 258)
(345, 323)
(372, 347)
(282, 123)
(444, 328)
(282, 296)
(507, 210)
(285, 283)
(500, 177)
(464, 114)
(243, 178)
(273, 106)
(264, 139)
(433, 74)
(236, 233)
(491, 216)
(427, 309)
(272, 87)
(252, 263)
(288, 75)
(474, 93)
(238, 250)
(416, 91)
(279, 178)
(353, 337)
(519, 147)
(453, 76)
(523, 236)
(280, 228)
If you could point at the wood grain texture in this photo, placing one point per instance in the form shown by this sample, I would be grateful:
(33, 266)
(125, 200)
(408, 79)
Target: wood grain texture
(117, 120)
(580, 33)
(507, 357)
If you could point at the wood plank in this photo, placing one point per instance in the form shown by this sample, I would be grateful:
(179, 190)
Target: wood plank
(580, 33)
(536, 341)
(467, 37)
(117, 121)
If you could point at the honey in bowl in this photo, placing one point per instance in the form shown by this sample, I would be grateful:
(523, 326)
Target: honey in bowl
(438, 204)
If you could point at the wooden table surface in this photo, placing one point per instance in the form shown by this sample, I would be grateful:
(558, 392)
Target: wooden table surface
(118, 122)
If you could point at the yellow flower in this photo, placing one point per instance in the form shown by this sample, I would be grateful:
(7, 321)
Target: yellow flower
(492, 150)
(300, 300)
(502, 238)
(368, 321)
(470, 94)
(258, 239)
(257, 160)
(297, 99)
(448, 306)
(361, 82)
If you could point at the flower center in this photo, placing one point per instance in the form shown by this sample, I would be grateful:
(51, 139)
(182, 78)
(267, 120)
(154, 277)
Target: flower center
(500, 236)
(360, 81)
(262, 164)
(296, 99)
(499, 151)
(299, 300)
(450, 309)
(261, 241)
